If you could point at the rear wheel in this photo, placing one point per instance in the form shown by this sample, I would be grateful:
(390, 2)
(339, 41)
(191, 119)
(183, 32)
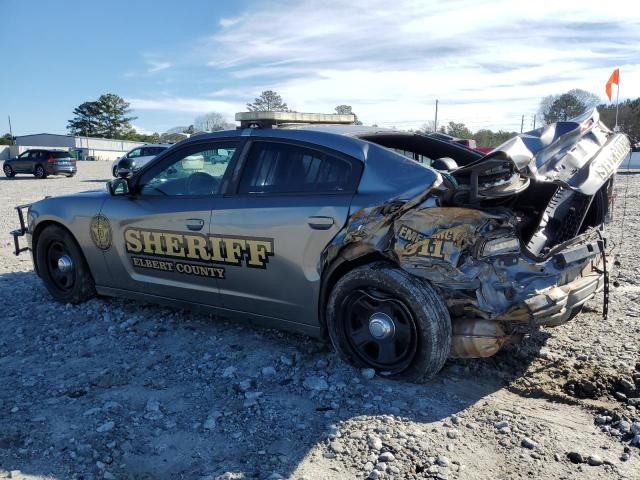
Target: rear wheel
(40, 172)
(381, 317)
(62, 266)
(8, 171)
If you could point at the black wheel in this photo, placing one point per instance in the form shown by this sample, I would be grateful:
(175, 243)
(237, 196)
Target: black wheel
(40, 172)
(381, 317)
(62, 266)
(8, 171)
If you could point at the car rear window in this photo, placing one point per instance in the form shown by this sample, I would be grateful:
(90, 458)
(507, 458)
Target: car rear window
(149, 151)
(60, 154)
(286, 168)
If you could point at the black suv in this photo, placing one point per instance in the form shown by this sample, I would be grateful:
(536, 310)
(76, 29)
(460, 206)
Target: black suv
(41, 163)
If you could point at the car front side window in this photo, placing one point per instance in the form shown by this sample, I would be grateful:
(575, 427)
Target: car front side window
(135, 153)
(196, 170)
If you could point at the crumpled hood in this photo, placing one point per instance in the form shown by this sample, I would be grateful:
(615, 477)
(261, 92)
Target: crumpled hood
(581, 153)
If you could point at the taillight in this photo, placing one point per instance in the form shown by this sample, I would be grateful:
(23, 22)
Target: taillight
(51, 159)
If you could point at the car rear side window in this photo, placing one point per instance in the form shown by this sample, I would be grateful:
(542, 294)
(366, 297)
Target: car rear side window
(286, 168)
(150, 151)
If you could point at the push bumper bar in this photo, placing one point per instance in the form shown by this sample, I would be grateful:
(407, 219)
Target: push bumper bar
(21, 231)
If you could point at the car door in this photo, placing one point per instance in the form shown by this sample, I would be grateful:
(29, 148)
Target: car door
(37, 157)
(285, 206)
(22, 162)
(160, 230)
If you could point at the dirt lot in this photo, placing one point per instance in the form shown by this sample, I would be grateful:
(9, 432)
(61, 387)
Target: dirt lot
(118, 389)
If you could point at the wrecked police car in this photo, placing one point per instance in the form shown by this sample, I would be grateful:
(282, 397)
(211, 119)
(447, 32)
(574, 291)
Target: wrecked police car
(330, 230)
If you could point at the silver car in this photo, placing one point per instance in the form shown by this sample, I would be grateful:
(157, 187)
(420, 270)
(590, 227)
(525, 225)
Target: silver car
(140, 155)
(332, 231)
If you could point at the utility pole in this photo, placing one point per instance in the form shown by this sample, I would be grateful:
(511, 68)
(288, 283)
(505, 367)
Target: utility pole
(616, 128)
(435, 122)
(522, 124)
(534, 121)
(10, 130)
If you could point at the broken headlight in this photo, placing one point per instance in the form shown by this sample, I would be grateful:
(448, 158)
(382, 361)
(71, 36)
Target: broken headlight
(500, 246)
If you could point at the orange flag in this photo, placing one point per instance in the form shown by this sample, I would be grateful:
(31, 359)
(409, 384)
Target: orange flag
(614, 78)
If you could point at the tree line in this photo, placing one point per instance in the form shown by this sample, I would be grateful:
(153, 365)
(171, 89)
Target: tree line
(110, 117)
(557, 108)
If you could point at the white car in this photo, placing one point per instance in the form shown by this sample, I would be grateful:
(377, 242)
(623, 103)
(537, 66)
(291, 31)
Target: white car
(142, 155)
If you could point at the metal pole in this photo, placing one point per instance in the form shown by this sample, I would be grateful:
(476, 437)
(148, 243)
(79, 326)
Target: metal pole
(522, 124)
(617, 99)
(435, 123)
(10, 129)
(534, 121)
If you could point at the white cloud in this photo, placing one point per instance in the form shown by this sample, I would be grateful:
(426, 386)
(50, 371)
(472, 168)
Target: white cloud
(157, 66)
(141, 130)
(185, 105)
(487, 62)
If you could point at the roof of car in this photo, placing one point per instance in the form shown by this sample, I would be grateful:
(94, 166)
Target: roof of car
(391, 173)
(44, 149)
(352, 140)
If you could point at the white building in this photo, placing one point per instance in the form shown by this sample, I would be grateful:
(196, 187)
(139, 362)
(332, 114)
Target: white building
(87, 148)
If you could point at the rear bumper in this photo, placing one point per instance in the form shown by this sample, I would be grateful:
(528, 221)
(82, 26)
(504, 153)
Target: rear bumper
(554, 306)
(477, 338)
(540, 294)
(62, 170)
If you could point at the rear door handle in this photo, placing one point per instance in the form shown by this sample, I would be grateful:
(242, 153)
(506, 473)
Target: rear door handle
(195, 224)
(320, 223)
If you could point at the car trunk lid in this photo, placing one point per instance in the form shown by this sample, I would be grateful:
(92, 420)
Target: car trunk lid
(580, 154)
(558, 180)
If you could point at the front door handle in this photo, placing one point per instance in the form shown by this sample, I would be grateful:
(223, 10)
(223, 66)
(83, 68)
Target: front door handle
(195, 224)
(320, 223)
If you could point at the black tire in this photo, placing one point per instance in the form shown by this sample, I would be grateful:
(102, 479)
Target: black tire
(421, 325)
(40, 172)
(8, 171)
(75, 286)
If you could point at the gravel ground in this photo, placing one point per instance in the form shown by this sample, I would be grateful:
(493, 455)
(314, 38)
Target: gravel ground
(119, 389)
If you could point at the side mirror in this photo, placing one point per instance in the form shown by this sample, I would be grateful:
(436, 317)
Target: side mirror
(118, 187)
(444, 164)
(126, 167)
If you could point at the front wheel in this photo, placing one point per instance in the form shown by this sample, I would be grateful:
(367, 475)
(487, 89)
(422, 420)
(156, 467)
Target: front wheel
(62, 266)
(381, 317)
(40, 172)
(8, 171)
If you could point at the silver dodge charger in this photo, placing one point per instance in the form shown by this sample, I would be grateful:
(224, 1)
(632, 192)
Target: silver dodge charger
(403, 249)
